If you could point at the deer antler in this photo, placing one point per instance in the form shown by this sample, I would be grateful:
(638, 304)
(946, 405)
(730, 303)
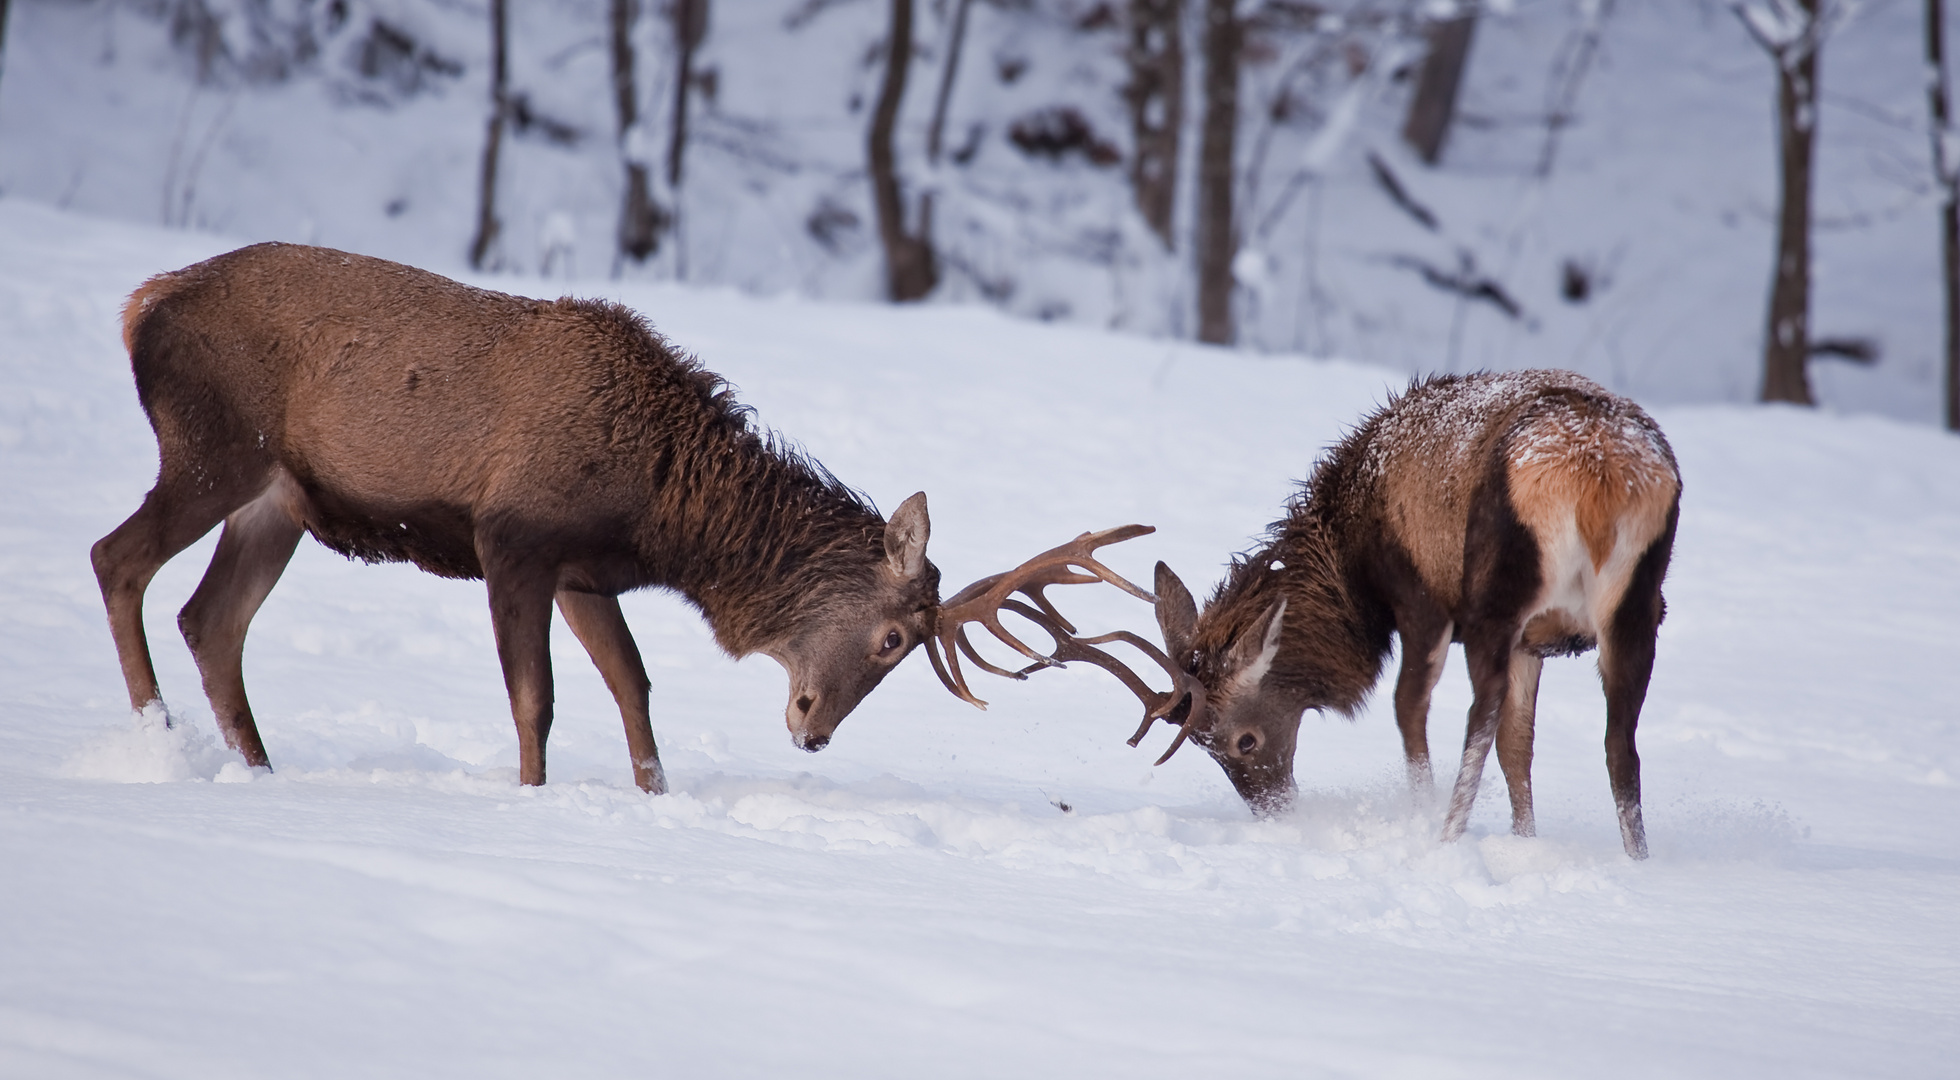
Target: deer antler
(1156, 706)
(1072, 563)
(981, 602)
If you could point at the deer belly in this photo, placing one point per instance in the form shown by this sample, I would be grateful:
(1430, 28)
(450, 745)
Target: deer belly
(436, 537)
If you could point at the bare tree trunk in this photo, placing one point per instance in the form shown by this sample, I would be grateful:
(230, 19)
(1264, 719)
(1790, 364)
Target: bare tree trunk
(1434, 105)
(1786, 344)
(640, 218)
(1217, 234)
(1947, 173)
(3, 40)
(1155, 95)
(690, 28)
(911, 270)
(936, 132)
(487, 226)
(1950, 280)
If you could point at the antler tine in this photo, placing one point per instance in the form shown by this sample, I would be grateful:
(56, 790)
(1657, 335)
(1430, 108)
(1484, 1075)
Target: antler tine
(953, 639)
(1156, 706)
(957, 686)
(1082, 547)
(1184, 729)
(1072, 563)
(1068, 647)
(1144, 646)
(973, 654)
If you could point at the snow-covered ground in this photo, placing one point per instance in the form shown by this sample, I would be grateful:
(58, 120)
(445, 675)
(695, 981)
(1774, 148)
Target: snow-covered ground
(913, 901)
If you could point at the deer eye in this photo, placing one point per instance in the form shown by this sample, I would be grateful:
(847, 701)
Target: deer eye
(1248, 742)
(893, 640)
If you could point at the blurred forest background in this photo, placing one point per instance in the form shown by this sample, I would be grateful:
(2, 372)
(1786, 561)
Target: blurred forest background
(1686, 199)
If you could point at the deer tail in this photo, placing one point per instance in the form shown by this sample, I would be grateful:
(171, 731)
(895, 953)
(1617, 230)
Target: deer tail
(141, 301)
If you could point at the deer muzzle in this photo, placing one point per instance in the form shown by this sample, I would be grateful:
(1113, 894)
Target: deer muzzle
(809, 719)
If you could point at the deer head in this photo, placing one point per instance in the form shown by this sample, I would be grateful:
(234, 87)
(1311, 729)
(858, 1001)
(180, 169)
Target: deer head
(858, 635)
(1216, 698)
(1248, 726)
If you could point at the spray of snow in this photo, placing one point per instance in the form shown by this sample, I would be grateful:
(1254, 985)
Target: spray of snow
(155, 747)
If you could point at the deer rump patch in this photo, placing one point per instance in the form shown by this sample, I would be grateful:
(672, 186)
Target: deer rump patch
(1593, 485)
(1586, 474)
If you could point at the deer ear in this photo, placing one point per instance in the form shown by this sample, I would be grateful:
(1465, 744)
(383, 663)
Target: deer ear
(1177, 614)
(1253, 653)
(905, 538)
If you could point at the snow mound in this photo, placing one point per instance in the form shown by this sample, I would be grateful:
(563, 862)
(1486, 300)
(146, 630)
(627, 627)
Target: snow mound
(155, 747)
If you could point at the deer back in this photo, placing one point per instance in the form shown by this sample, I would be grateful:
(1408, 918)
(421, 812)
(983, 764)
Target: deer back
(391, 384)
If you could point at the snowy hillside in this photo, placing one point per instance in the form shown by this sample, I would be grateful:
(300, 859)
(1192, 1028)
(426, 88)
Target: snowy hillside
(367, 134)
(914, 901)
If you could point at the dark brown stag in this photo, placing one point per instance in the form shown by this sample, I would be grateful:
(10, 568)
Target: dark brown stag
(1525, 515)
(557, 450)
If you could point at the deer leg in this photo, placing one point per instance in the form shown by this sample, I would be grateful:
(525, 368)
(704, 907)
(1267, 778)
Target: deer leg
(1626, 665)
(258, 541)
(1516, 727)
(1425, 648)
(173, 516)
(601, 628)
(1624, 670)
(1490, 677)
(520, 616)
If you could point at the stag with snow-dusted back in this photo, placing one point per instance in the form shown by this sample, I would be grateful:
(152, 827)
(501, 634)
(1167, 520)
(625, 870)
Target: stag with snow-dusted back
(1525, 515)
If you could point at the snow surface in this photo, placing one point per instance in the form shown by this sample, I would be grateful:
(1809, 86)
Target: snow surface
(914, 901)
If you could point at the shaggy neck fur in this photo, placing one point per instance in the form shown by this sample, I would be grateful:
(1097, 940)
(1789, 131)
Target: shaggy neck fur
(1331, 645)
(757, 536)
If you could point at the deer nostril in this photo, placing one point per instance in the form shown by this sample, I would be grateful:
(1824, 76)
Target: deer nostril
(803, 703)
(1248, 742)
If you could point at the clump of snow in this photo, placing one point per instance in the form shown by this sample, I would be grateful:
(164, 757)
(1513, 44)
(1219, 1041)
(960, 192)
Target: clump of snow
(155, 747)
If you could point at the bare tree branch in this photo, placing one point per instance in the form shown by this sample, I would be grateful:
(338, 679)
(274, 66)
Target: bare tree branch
(1386, 179)
(1946, 173)
(946, 75)
(1467, 281)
